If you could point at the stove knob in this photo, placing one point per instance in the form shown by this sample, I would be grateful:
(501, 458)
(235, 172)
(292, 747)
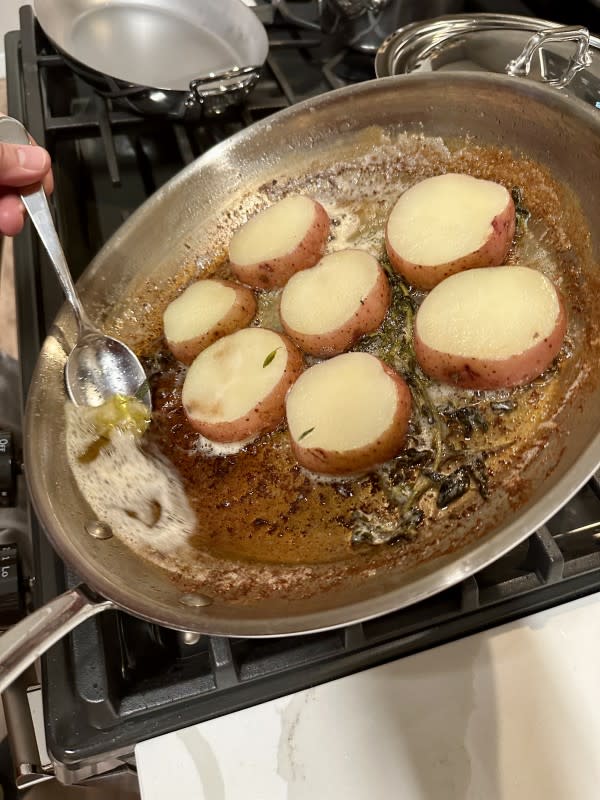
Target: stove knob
(8, 470)
(12, 595)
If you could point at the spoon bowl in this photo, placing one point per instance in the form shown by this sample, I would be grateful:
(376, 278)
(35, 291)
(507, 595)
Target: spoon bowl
(99, 366)
(95, 354)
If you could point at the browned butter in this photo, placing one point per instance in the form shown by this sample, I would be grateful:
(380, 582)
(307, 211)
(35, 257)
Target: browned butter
(252, 523)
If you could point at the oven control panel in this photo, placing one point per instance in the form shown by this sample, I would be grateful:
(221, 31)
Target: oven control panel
(12, 585)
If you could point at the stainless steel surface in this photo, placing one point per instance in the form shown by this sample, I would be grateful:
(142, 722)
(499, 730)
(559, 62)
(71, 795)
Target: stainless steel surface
(35, 704)
(528, 117)
(26, 641)
(189, 638)
(173, 57)
(99, 366)
(181, 40)
(113, 787)
(354, 8)
(489, 42)
(97, 529)
(21, 733)
(364, 24)
(194, 600)
(41, 778)
(521, 66)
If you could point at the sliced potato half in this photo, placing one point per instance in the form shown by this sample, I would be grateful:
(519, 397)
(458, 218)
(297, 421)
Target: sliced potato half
(279, 241)
(203, 313)
(490, 328)
(235, 389)
(347, 414)
(446, 224)
(327, 308)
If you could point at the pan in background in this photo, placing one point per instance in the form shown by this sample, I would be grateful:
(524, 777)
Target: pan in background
(174, 57)
(566, 57)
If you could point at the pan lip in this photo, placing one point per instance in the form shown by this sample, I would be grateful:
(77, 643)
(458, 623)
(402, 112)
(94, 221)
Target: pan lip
(492, 546)
(221, 149)
(358, 612)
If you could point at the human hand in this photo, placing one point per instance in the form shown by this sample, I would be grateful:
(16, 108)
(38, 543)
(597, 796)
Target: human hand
(21, 166)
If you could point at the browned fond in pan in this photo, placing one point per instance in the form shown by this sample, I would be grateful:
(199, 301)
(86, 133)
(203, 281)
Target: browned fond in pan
(278, 558)
(257, 509)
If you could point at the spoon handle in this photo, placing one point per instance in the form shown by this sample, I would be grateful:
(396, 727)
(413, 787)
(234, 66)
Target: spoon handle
(39, 212)
(36, 204)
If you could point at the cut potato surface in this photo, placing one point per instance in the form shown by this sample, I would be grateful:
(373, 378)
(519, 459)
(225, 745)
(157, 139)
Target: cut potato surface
(446, 224)
(283, 239)
(489, 329)
(327, 308)
(347, 414)
(236, 388)
(203, 313)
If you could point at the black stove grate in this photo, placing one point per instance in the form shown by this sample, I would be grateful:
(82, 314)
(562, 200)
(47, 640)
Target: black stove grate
(116, 680)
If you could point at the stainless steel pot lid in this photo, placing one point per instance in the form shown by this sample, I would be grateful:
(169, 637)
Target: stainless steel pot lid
(503, 43)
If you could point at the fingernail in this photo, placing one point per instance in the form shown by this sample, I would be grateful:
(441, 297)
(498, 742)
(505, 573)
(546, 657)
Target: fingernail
(31, 158)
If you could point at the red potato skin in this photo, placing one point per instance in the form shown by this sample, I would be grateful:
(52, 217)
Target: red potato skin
(240, 314)
(476, 373)
(265, 416)
(275, 273)
(362, 459)
(492, 254)
(366, 319)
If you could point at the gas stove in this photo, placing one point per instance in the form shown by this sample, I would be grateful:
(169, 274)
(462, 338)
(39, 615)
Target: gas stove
(116, 680)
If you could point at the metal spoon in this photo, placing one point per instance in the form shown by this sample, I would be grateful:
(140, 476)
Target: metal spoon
(99, 366)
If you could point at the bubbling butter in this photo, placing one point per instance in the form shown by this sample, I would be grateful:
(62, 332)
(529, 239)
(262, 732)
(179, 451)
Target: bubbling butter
(140, 496)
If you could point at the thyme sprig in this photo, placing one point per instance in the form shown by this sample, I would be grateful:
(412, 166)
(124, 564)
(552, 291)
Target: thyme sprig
(450, 470)
(522, 214)
(394, 345)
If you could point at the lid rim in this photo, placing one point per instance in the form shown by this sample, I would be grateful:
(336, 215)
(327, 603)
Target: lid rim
(399, 51)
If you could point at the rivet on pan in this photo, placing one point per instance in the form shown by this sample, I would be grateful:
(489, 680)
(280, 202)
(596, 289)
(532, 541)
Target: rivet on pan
(195, 600)
(190, 638)
(99, 530)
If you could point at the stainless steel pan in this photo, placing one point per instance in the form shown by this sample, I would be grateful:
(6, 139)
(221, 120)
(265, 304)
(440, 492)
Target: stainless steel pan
(562, 134)
(178, 58)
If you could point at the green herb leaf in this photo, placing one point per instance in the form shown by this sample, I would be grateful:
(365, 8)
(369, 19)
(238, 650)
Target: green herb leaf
(302, 435)
(270, 357)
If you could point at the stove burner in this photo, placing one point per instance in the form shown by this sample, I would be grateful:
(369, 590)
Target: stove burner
(117, 680)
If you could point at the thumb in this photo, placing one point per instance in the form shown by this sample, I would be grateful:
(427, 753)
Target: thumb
(22, 165)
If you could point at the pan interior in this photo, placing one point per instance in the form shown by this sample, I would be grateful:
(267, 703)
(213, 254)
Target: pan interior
(202, 207)
(264, 525)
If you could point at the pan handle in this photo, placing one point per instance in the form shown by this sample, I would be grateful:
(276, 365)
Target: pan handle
(520, 66)
(26, 641)
(218, 90)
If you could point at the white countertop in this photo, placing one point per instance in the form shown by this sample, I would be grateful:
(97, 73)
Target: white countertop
(509, 714)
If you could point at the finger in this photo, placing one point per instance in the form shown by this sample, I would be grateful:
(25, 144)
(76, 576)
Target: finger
(12, 214)
(22, 165)
(48, 182)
